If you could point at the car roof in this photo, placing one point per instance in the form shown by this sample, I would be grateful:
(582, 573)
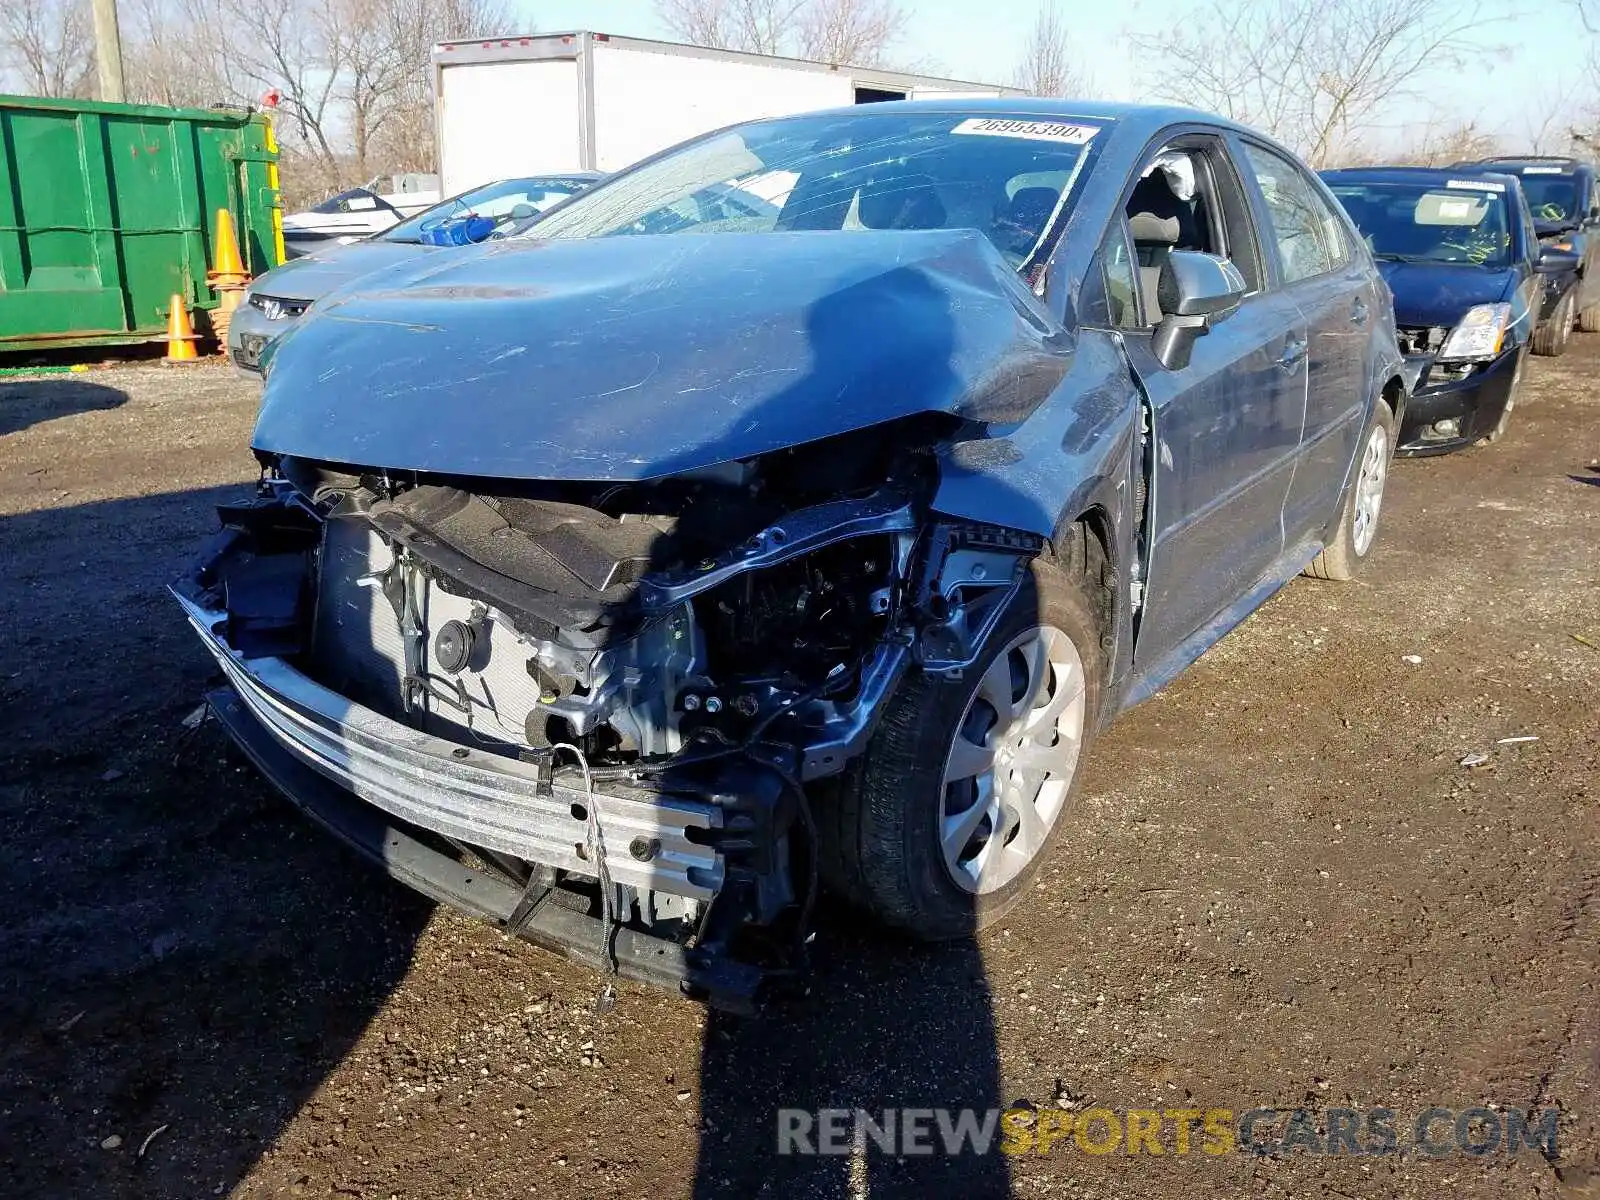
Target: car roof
(1147, 116)
(1420, 175)
(1522, 162)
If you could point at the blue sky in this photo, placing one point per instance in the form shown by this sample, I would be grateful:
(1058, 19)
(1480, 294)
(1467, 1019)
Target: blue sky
(1533, 55)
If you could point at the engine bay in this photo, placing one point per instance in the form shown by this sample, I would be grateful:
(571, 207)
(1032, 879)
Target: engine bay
(728, 636)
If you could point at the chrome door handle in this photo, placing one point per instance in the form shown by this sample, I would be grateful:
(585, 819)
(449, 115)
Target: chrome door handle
(1358, 312)
(1292, 354)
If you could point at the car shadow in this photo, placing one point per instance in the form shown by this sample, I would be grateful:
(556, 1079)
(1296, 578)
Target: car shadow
(885, 1032)
(184, 959)
(28, 402)
(811, 1096)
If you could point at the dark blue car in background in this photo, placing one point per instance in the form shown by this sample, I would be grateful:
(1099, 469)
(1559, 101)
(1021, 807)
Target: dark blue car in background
(680, 553)
(1564, 198)
(1457, 248)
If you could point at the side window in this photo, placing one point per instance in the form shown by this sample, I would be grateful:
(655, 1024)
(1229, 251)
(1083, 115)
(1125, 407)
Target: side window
(1302, 225)
(1188, 197)
(1111, 292)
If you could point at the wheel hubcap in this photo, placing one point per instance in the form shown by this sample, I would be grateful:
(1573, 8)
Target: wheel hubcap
(1369, 490)
(1010, 767)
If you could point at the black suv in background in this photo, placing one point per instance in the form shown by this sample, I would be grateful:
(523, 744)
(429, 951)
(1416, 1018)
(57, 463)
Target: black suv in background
(1565, 202)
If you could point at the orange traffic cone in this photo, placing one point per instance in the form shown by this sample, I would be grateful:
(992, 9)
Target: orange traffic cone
(227, 277)
(180, 333)
(225, 260)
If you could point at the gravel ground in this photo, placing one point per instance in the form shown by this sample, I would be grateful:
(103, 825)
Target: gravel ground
(1281, 889)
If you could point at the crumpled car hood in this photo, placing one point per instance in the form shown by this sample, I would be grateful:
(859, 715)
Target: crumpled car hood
(629, 358)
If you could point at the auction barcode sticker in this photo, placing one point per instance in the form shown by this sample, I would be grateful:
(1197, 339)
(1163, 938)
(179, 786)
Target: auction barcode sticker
(1476, 185)
(1036, 131)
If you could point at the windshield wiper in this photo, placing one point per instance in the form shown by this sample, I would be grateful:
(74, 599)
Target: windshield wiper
(1386, 256)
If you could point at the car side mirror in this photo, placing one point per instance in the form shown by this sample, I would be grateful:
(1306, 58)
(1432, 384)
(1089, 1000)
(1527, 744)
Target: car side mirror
(521, 212)
(1555, 262)
(1194, 292)
(1594, 213)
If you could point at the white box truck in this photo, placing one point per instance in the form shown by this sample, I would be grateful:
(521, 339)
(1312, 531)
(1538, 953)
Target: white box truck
(585, 101)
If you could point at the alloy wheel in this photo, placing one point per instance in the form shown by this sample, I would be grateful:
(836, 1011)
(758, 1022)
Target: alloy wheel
(1010, 767)
(1374, 472)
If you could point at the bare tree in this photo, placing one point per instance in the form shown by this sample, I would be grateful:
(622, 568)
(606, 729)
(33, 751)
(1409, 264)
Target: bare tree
(766, 26)
(856, 32)
(1313, 73)
(1447, 141)
(859, 32)
(1549, 118)
(698, 22)
(392, 108)
(1047, 67)
(176, 53)
(289, 46)
(761, 26)
(47, 46)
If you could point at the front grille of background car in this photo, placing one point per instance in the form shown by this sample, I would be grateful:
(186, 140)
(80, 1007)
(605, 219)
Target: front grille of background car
(1421, 339)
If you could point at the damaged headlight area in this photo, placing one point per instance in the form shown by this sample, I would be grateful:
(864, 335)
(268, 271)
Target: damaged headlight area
(616, 702)
(1479, 334)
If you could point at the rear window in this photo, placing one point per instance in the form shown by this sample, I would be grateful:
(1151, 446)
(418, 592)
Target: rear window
(1551, 196)
(1009, 177)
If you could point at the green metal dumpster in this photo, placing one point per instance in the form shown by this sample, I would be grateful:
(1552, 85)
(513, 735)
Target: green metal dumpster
(106, 211)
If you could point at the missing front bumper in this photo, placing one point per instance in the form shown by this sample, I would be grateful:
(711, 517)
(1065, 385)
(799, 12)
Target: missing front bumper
(474, 796)
(405, 854)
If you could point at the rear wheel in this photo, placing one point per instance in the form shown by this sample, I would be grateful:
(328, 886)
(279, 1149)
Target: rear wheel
(1362, 502)
(967, 782)
(1551, 338)
(1588, 318)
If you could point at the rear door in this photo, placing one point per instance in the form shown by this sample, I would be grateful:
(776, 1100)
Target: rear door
(1225, 430)
(1334, 290)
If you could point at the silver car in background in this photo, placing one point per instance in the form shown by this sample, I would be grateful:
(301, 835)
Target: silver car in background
(275, 300)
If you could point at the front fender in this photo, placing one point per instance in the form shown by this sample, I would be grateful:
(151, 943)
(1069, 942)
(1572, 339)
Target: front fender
(1075, 454)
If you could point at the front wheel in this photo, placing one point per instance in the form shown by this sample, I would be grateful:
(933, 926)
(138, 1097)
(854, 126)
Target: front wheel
(1499, 430)
(1362, 502)
(968, 782)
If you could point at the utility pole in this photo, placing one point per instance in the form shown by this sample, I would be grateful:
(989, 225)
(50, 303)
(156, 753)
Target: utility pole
(108, 50)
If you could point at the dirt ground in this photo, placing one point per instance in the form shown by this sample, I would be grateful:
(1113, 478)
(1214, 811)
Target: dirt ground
(1281, 889)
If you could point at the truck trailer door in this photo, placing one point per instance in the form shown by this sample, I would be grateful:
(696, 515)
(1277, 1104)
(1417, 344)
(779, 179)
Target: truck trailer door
(499, 119)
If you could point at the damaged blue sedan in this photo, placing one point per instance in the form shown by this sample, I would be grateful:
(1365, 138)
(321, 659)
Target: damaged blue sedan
(631, 582)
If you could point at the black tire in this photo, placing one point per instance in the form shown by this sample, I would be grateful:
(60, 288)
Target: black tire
(1551, 338)
(1589, 319)
(880, 826)
(1345, 555)
(1500, 426)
